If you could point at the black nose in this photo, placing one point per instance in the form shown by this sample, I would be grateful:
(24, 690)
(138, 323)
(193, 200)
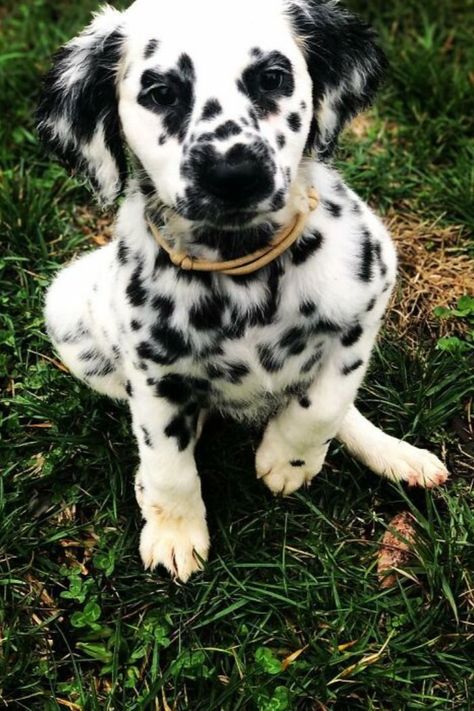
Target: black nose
(239, 178)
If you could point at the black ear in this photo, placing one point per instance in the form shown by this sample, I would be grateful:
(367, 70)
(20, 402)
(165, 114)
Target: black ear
(345, 63)
(78, 113)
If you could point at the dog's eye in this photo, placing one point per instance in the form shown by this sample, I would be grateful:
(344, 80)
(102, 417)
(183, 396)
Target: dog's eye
(162, 95)
(271, 80)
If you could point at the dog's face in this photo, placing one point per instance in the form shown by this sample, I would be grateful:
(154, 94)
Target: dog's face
(216, 102)
(220, 118)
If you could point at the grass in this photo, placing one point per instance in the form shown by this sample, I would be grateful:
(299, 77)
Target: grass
(288, 613)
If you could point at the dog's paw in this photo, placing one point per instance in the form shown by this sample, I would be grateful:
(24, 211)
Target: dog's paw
(179, 544)
(283, 469)
(418, 467)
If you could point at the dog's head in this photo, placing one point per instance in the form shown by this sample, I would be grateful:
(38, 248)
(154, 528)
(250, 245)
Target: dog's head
(215, 102)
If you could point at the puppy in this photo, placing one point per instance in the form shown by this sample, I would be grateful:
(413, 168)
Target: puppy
(217, 122)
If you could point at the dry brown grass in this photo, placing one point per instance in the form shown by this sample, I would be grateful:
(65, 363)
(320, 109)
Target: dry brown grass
(434, 270)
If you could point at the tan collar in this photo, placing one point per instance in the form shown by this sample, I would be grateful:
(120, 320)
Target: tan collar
(250, 262)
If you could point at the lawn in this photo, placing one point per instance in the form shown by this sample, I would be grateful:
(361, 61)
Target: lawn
(289, 612)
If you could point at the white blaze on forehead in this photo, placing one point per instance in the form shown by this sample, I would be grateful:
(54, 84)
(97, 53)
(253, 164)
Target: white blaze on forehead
(209, 30)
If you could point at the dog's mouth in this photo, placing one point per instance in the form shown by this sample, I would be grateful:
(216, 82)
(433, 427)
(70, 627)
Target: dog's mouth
(205, 212)
(232, 243)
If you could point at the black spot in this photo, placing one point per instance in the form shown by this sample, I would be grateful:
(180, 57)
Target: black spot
(89, 354)
(356, 208)
(150, 48)
(171, 341)
(281, 140)
(371, 304)
(307, 308)
(294, 340)
(366, 259)
(178, 428)
(162, 139)
(256, 52)
(332, 207)
(378, 252)
(226, 130)
(347, 369)
(122, 252)
(136, 292)
(207, 314)
(269, 359)
(100, 369)
(135, 325)
(351, 336)
(311, 362)
(174, 388)
(231, 372)
(129, 388)
(237, 325)
(172, 346)
(278, 200)
(146, 436)
(305, 402)
(294, 122)
(297, 463)
(205, 137)
(254, 119)
(324, 326)
(212, 108)
(164, 305)
(305, 247)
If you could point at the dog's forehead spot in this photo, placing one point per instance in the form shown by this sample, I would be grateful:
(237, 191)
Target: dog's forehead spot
(211, 109)
(150, 48)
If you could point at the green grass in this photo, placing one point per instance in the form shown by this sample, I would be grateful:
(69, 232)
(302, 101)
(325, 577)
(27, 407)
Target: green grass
(79, 620)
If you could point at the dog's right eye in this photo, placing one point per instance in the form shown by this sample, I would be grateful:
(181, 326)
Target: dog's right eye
(271, 80)
(162, 95)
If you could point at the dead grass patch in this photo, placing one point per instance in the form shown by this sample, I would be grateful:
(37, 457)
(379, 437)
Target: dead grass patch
(434, 270)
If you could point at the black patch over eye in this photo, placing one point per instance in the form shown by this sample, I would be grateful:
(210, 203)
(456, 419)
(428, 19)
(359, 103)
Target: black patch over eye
(170, 94)
(268, 79)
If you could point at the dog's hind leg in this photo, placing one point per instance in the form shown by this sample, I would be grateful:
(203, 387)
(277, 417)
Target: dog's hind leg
(388, 456)
(80, 325)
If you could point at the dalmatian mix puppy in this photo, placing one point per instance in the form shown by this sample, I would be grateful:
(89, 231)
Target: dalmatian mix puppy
(214, 118)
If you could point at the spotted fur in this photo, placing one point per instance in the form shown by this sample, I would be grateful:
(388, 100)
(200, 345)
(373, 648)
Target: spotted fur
(220, 155)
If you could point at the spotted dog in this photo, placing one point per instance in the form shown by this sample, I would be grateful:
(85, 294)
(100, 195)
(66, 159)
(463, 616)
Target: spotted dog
(213, 119)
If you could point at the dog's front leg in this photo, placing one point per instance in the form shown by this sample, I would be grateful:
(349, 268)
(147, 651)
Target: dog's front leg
(296, 441)
(167, 484)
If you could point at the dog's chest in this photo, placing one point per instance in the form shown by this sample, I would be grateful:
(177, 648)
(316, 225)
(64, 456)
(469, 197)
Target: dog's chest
(244, 346)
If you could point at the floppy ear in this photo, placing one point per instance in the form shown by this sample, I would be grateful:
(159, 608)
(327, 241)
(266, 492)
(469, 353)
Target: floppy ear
(345, 63)
(78, 113)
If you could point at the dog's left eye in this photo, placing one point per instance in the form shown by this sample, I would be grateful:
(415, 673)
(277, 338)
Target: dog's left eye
(271, 80)
(162, 95)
